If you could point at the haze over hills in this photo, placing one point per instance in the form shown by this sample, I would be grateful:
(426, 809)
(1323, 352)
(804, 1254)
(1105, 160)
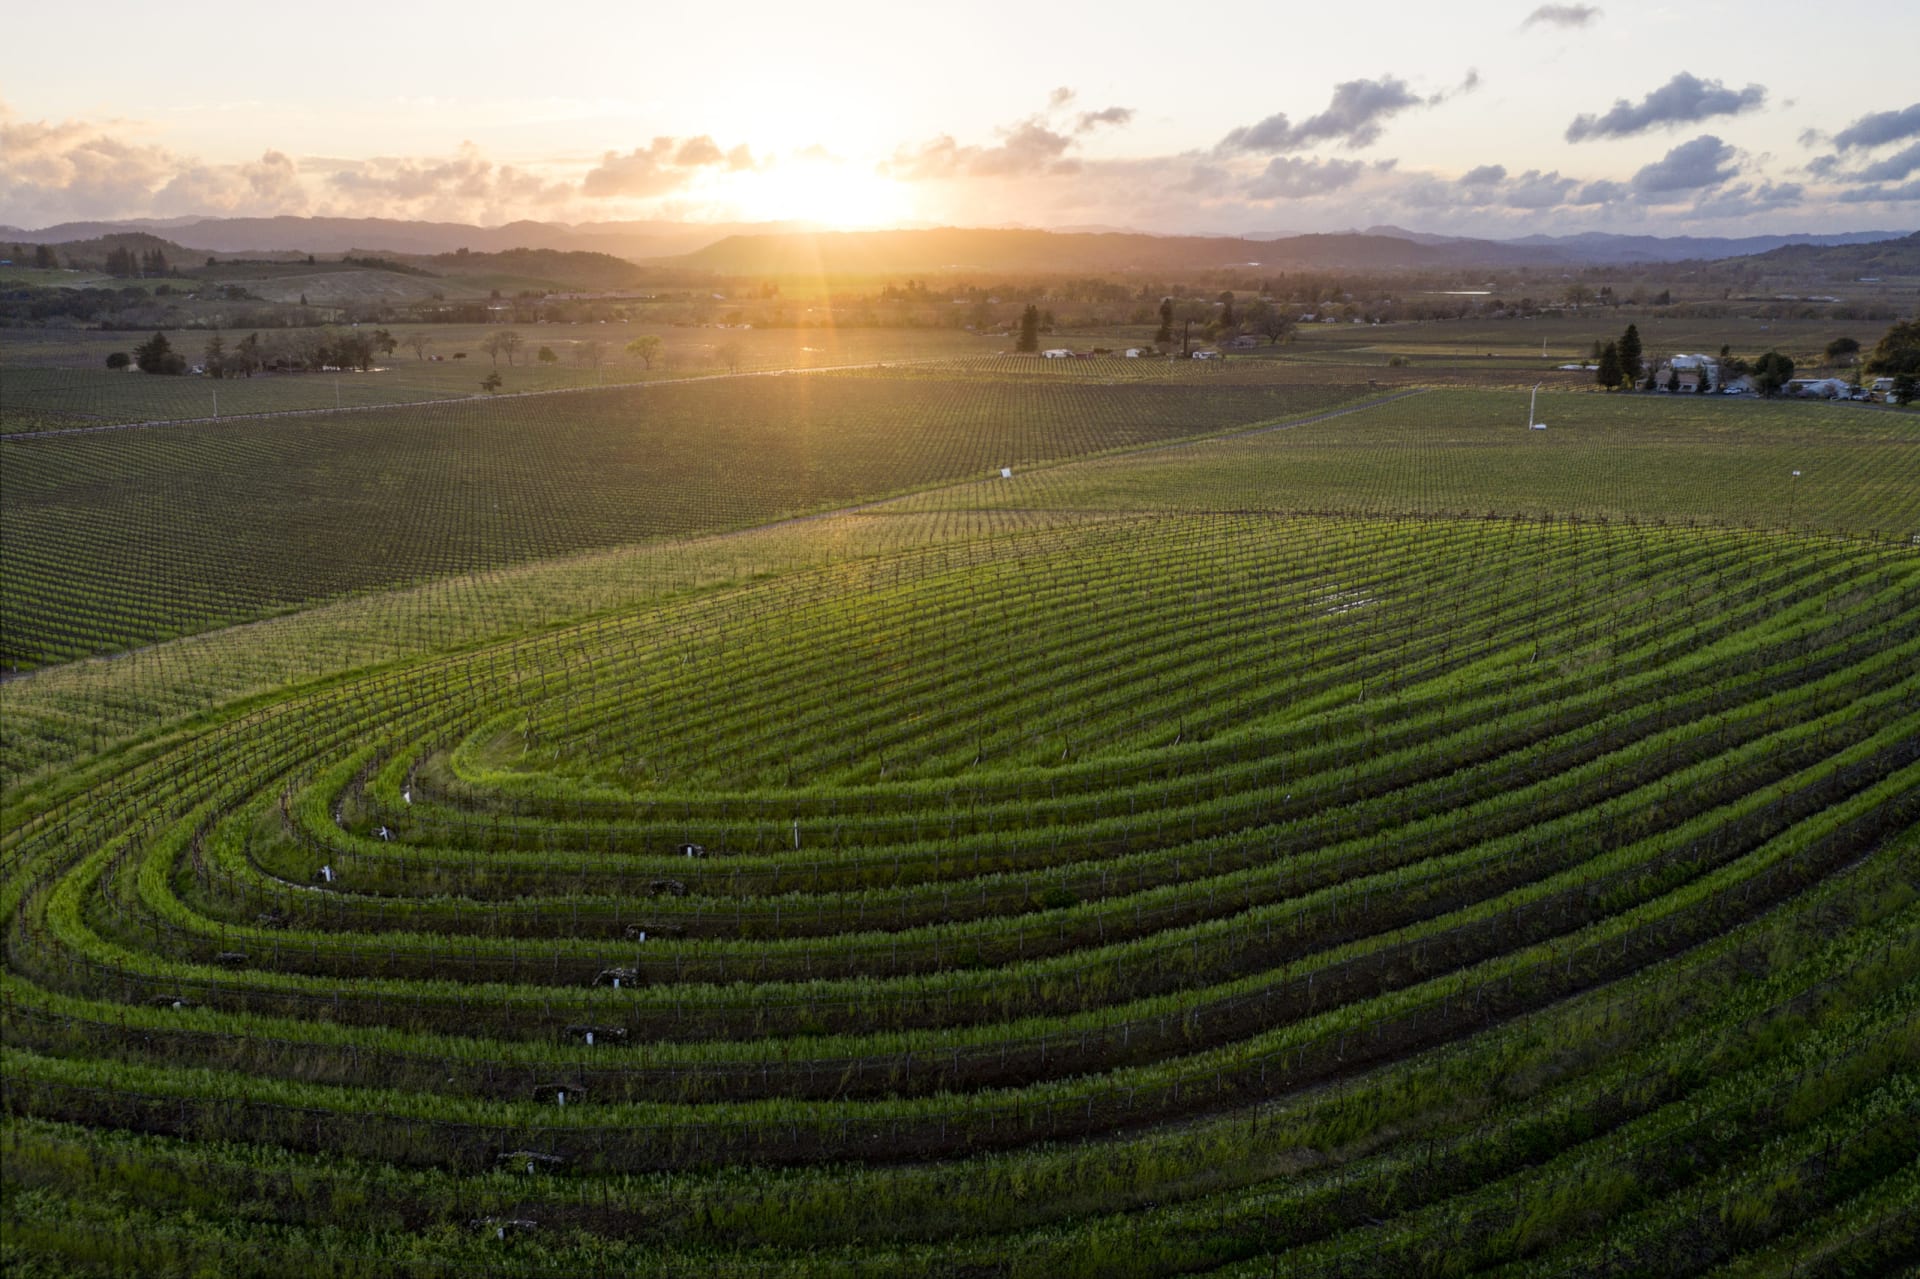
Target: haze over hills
(1601, 247)
(791, 249)
(632, 240)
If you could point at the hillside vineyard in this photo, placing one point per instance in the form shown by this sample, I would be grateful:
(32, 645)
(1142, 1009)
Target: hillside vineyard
(1153, 894)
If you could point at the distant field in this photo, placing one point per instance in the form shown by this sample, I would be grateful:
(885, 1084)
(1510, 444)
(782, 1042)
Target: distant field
(54, 379)
(119, 538)
(1615, 457)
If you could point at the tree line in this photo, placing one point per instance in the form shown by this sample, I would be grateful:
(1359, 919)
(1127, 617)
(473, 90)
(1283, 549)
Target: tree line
(1621, 364)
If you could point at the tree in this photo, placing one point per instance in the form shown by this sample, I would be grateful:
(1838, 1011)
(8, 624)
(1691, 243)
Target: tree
(591, 352)
(1906, 388)
(1898, 352)
(384, 342)
(1608, 374)
(646, 347)
(1843, 350)
(493, 344)
(546, 356)
(1029, 329)
(1228, 319)
(1630, 353)
(247, 355)
(730, 355)
(119, 360)
(214, 359)
(1164, 334)
(156, 355)
(491, 383)
(1270, 322)
(1771, 372)
(418, 344)
(44, 259)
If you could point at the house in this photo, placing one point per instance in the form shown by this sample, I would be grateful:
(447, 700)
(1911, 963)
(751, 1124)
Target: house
(1687, 371)
(1817, 388)
(1133, 352)
(1056, 353)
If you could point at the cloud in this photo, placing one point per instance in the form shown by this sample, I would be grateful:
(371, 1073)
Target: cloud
(1029, 147)
(1060, 97)
(1354, 118)
(1536, 190)
(1485, 175)
(1881, 195)
(1880, 127)
(695, 152)
(1115, 116)
(467, 175)
(269, 186)
(74, 169)
(1682, 100)
(1562, 15)
(663, 166)
(1892, 168)
(1706, 161)
(1746, 199)
(1291, 178)
(1601, 191)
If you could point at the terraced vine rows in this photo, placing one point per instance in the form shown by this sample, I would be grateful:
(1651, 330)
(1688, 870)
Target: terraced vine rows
(112, 540)
(1308, 896)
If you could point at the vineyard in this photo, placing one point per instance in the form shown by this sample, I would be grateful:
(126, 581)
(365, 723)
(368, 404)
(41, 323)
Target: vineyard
(1153, 891)
(1298, 822)
(114, 539)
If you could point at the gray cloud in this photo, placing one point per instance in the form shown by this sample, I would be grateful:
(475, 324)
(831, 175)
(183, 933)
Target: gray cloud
(1682, 100)
(1603, 191)
(1880, 127)
(1028, 147)
(1291, 178)
(1882, 195)
(1892, 168)
(1536, 190)
(1706, 161)
(1562, 15)
(1355, 117)
(1746, 199)
(1115, 116)
(1485, 175)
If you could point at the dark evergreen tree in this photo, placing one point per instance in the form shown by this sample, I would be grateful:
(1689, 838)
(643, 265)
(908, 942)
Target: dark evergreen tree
(1029, 329)
(1165, 332)
(1608, 374)
(1630, 352)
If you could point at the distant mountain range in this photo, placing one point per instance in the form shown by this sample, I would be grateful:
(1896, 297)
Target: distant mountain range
(637, 241)
(787, 249)
(1601, 248)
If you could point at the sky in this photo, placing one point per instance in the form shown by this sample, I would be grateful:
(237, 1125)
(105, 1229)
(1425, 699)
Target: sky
(1478, 118)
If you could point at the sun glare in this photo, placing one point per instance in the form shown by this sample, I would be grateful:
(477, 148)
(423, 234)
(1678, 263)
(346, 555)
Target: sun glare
(840, 196)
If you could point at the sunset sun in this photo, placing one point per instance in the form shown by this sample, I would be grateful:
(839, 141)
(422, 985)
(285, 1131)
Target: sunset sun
(841, 196)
